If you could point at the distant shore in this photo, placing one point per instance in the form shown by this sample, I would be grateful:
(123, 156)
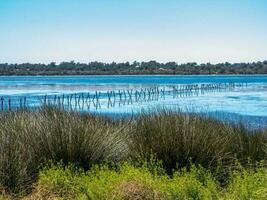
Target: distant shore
(135, 68)
(81, 75)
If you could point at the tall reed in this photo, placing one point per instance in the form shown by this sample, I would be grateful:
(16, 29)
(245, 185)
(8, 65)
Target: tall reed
(178, 139)
(31, 138)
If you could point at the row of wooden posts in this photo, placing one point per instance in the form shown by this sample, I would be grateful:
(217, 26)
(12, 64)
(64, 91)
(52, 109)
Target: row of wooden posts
(83, 101)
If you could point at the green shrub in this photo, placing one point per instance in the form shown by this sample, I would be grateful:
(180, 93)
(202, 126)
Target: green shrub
(130, 182)
(127, 182)
(248, 184)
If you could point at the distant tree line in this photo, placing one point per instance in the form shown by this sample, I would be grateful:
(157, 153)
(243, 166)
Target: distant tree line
(135, 68)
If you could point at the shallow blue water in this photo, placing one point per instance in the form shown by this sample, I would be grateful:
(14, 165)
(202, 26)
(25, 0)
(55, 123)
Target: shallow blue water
(248, 102)
(119, 80)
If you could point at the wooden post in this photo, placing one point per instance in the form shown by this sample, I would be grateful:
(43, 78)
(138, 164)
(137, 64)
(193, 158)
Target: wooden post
(24, 102)
(20, 103)
(9, 104)
(2, 103)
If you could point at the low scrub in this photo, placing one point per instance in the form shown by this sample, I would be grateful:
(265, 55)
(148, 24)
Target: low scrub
(134, 183)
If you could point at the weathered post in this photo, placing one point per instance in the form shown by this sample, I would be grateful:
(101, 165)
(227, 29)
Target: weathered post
(9, 104)
(24, 102)
(20, 103)
(2, 103)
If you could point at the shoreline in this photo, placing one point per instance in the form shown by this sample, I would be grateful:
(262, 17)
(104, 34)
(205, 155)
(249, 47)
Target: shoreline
(108, 75)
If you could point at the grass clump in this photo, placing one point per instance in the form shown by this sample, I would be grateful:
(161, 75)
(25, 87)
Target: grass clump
(28, 139)
(179, 139)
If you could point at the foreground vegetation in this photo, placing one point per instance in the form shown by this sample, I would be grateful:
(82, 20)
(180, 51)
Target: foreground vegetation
(151, 67)
(165, 155)
(130, 182)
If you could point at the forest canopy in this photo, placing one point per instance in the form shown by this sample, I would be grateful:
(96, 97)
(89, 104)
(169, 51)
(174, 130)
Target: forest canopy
(135, 68)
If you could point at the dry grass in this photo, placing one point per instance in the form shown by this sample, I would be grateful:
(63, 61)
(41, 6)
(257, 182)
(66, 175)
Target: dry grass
(133, 190)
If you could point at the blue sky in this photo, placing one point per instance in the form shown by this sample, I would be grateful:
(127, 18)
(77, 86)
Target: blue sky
(42, 31)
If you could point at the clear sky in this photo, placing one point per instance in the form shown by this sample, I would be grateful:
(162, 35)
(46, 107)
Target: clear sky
(42, 31)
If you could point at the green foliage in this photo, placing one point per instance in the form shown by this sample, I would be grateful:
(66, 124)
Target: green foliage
(248, 184)
(129, 182)
(151, 67)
